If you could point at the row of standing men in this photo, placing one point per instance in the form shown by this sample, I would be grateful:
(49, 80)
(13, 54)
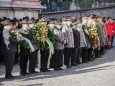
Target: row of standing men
(72, 44)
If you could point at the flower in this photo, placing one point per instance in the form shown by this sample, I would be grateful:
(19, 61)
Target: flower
(23, 44)
(14, 33)
(41, 33)
(93, 34)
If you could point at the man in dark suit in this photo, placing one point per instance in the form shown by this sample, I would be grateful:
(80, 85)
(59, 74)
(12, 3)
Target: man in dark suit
(1, 40)
(10, 46)
(75, 59)
(87, 39)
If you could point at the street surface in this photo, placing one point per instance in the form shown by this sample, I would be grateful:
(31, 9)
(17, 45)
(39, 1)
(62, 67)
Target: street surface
(100, 72)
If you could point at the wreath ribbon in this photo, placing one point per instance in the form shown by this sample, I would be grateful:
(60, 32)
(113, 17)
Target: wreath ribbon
(29, 43)
(51, 47)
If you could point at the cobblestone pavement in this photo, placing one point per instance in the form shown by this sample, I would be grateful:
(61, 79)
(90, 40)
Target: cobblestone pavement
(100, 72)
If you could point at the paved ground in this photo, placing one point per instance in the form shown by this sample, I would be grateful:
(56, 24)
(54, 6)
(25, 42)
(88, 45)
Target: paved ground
(100, 72)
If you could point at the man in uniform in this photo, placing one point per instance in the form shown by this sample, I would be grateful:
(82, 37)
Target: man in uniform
(11, 41)
(97, 49)
(24, 52)
(104, 34)
(52, 25)
(1, 40)
(28, 32)
(101, 34)
(87, 40)
(58, 46)
(75, 58)
(34, 54)
(44, 53)
(68, 34)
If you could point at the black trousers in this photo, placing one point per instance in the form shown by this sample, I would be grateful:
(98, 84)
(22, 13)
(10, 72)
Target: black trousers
(58, 58)
(52, 61)
(102, 50)
(79, 55)
(23, 63)
(36, 57)
(97, 53)
(32, 60)
(67, 56)
(9, 62)
(16, 55)
(44, 59)
(90, 54)
(2, 58)
(74, 57)
(84, 54)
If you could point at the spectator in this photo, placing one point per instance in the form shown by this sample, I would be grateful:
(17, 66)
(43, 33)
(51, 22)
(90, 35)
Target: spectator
(54, 6)
(59, 5)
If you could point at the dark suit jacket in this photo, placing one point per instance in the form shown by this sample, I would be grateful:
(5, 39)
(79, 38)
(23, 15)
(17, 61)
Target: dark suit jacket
(76, 35)
(10, 41)
(85, 29)
(32, 39)
(1, 40)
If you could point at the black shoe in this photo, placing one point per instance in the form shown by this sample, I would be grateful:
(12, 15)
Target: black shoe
(61, 69)
(91, 59)
(56, 68)
(78, 63)
(85, 61)
(26, 73)
(35, 71)
(9, 77)
(48, 70)
(69, 66)
(74, 64)
(101, 53)
(44, 70)
(98, 56)
(32, 72)
(23, 73)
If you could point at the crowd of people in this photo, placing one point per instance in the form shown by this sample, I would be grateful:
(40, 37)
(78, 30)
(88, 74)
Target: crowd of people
(61, 42)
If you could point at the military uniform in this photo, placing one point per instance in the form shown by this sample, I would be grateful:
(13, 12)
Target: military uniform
(44, 55)
(34, 54)
(10, 49)
(1, 43)
(24, 54)
(68, 34)
(51, 25)
(75, 57)
(88, 45)
(27, 55)
(101, 37)
(58, 46)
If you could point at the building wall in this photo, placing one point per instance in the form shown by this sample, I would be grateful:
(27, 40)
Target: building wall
(22, 13)
(20, 8)
(18, 13)
(6, 13)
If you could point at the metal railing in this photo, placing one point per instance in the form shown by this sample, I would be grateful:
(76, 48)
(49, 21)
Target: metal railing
(76, 5)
